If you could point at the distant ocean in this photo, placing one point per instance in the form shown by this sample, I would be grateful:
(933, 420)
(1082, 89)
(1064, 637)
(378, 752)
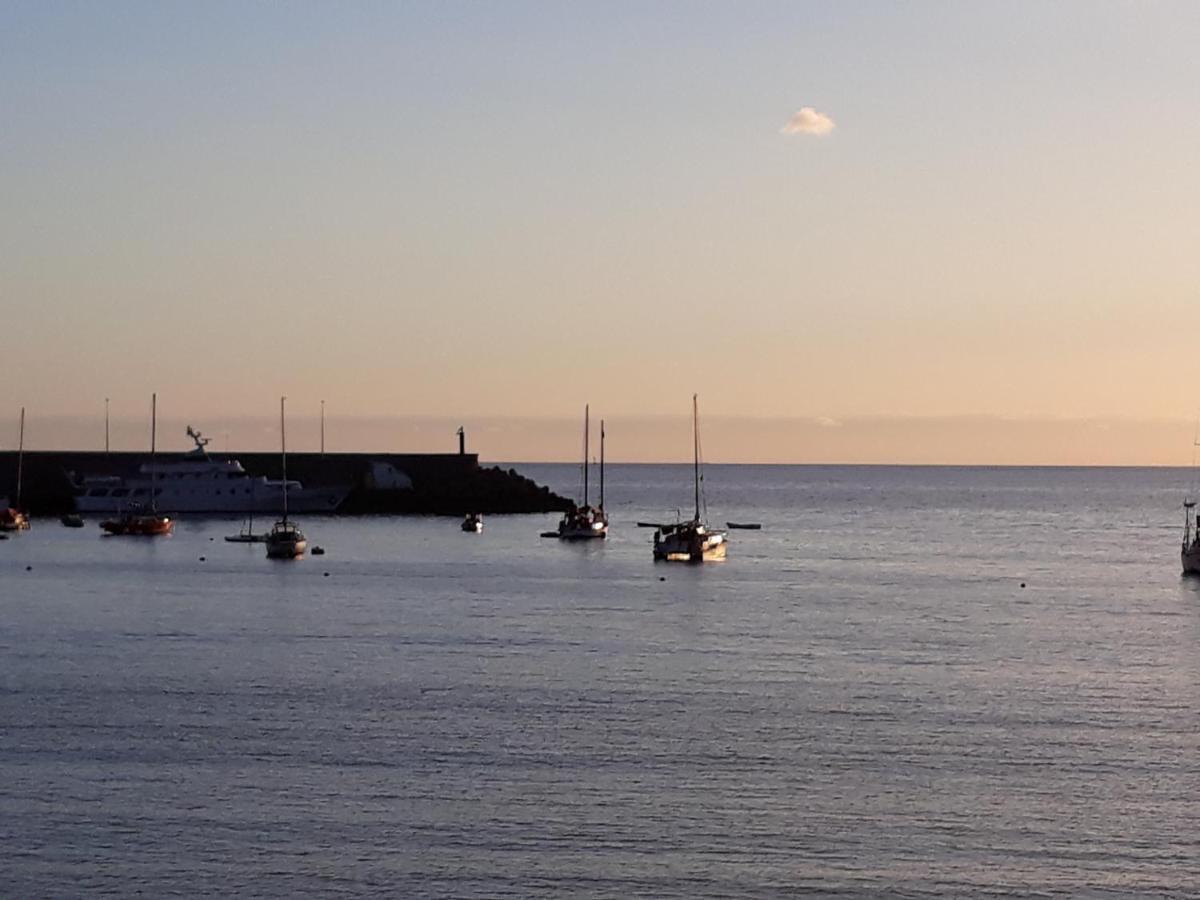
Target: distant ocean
(913, 682)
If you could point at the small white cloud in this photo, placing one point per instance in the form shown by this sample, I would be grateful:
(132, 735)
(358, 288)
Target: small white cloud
(826, 422)
(807, 120)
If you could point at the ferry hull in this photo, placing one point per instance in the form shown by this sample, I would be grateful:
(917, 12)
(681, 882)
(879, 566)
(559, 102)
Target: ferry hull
(300, 500)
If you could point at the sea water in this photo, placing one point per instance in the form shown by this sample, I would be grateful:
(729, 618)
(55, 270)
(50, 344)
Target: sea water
(912, 682)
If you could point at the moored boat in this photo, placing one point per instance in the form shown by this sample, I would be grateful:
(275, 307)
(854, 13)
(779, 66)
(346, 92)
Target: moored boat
(1189, 554)
(198, 483)
(14, 518)
(137, 520)
(285, 539)
(473, 523)
(691, 540)
(586, 522)
(247, 535)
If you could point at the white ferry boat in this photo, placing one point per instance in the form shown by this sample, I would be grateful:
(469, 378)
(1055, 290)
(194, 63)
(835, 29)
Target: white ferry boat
(197, 483)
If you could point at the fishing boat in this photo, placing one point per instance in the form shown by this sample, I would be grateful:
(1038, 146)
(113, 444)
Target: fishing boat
(691, 540)
(585, 522)
(72, 520)
(472, 523)
(285, 539)
(138, 519)
(198, 483)
(13, 517)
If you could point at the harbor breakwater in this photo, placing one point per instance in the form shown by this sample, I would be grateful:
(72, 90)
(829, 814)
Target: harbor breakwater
(419, 483)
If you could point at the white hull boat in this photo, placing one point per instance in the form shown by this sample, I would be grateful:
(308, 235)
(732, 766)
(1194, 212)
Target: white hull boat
(586, 522)
(691, 540)
(285, 541)
(200, 484)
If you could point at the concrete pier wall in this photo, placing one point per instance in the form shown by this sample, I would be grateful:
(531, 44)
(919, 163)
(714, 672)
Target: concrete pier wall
(438, 483)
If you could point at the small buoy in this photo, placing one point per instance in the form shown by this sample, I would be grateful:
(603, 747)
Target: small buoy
(202, 559)
(326, 574)
(212, 539)
(1022, 584)
(662, 578)
(29, 568)
(318, 551)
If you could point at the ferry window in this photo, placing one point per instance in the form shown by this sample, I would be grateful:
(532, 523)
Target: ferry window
(98, 492)
(137, 492)
(120, 492)
(157, 491)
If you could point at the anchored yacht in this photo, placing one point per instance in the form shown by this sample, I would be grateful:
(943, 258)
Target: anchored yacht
(197, 483)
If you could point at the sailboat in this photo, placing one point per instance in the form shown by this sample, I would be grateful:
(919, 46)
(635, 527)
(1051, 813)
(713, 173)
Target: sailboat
(285, 540)
(586, 522)
(14, 518)
(136, 520)
(1189, 554)
(691, 540)
(247, 535)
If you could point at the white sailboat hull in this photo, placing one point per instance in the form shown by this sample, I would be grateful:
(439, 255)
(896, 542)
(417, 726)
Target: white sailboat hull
(1189, 558)
(688, 543)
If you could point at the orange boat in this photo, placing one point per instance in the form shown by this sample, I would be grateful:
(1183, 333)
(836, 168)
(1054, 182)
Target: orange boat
(137, 524)
(13, 520)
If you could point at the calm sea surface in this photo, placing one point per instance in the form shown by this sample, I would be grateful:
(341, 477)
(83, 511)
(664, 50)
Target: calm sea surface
(861, 701)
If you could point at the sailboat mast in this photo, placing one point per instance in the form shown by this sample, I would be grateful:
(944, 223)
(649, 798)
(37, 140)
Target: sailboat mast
(283, 453)
(20, 456)
(153, 451)
(696, 451)
(586, 429)
(602, 464)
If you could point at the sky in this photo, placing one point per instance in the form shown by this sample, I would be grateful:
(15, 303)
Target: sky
(935, 232)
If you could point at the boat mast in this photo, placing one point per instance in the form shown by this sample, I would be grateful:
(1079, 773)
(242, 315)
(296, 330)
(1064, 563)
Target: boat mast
(696, 452)
(153, 451)
(602, 464)
(20, 456)
(585, 454)
(283, 452)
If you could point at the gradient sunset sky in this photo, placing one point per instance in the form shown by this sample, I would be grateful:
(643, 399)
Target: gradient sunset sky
(817, 215)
